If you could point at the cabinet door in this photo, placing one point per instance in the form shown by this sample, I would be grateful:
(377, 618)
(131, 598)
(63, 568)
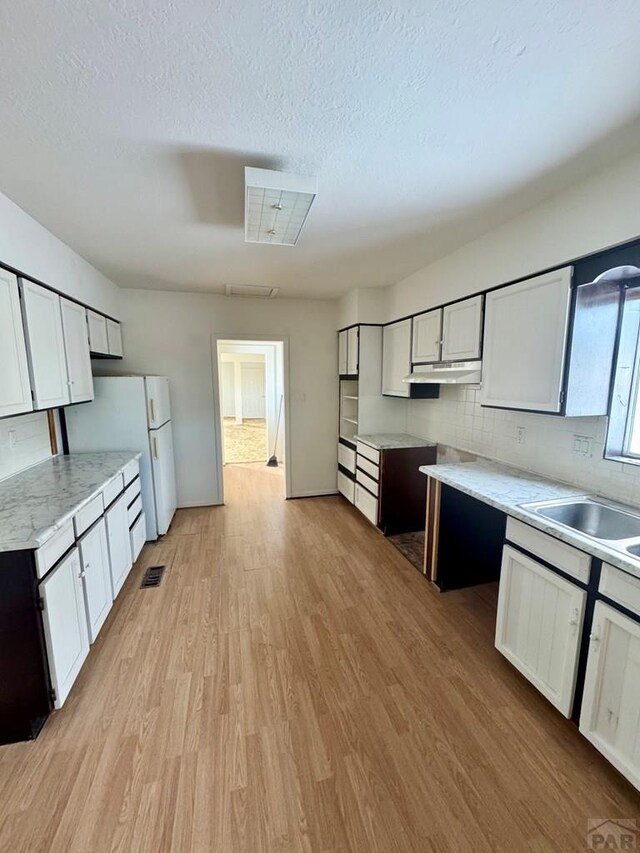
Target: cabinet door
(610, 716)
(15, 389)
(98, 338)
(396, 358)
(76, 346)
(120, 561)
(45, 351)
(462, 330)
(427, 334)
(96, 578)
(114, 338)
(525, 341)
(353, 338)
(343, 347)
(65, 624)
(539, 626)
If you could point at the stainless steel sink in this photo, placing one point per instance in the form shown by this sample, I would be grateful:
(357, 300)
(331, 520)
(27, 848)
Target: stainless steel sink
(594, 519)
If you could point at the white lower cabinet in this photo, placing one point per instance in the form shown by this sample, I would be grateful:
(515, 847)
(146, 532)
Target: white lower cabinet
(610, 716)
(366, 503)
(65, 624)
(96, 577)
(539, 626)
(346, 487)
(137, 535)
(120, 562)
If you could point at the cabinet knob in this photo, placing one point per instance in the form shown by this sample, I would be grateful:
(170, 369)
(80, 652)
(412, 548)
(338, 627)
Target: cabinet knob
(82, 575)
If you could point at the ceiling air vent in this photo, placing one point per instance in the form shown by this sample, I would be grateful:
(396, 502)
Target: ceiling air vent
(276, 205)
(256, 290)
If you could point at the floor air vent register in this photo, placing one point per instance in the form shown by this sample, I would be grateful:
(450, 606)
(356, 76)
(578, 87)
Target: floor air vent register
(152, 577)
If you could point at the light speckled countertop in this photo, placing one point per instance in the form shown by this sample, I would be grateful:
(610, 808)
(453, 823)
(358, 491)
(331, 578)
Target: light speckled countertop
(38, 501)
(506, 488)
(393, 440)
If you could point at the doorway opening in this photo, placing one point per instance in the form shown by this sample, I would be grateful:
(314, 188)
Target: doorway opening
(251, 412)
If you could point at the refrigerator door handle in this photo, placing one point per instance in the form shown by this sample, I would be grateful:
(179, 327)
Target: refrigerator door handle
(154, 447)
(152, 411)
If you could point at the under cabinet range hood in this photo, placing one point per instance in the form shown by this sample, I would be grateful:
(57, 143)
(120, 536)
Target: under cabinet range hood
(446, 373)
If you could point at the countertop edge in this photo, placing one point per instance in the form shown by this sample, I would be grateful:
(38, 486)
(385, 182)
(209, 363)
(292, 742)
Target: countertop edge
(589, 546)
(45, 533)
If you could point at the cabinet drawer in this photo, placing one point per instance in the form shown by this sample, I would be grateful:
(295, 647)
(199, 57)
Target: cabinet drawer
(347, 458)
(369, 452)
(553, 551)
(130, 471)
(620, 587)
(138, 534)
(369, 484)
(112, 490)
(367, 504)
(88, 514)
(132, 491)
(134, 509)
(49, 553)
(346, 487)
(368, 467)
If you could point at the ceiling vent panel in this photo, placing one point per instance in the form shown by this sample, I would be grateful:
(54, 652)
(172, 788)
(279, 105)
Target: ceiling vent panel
(255, 290)
(276, 205)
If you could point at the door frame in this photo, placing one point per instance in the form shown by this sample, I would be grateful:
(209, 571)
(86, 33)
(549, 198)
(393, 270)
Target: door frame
(256, 338)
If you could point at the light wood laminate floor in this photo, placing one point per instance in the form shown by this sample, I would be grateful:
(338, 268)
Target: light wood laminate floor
(295, 685)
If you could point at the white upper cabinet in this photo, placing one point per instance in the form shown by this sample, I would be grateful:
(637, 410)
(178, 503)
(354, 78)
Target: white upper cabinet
(539, 626)
(45, 345)
(15, 389)
(610, 715)
(525, 341)
(76, 345)
(343, 347)
(427, 337)
(114, 338)
(462, 330)
(348, 349)
(98, 337)
(396, 358)
(352, 350)
(65, 624)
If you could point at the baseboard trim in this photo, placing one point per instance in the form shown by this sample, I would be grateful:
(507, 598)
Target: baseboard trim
(196, 504)
(321, 493)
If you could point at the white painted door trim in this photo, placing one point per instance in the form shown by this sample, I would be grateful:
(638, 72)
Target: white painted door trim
(284, 339)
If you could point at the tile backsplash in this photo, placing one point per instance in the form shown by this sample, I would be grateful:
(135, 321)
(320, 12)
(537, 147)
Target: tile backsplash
(24, 440)
(567, 449)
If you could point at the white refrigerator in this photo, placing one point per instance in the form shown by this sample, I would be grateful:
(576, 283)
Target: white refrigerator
(132, 413)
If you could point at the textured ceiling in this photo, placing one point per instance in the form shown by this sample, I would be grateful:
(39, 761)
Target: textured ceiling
(125, 126)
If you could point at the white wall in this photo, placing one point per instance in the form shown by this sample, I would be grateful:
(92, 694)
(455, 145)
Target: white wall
(590, 216)
(600, 212)
(171, 333)
(24, 441)
(29, 247)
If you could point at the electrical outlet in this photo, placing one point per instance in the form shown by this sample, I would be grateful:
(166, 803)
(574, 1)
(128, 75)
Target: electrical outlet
(521, 435)
(582, 445)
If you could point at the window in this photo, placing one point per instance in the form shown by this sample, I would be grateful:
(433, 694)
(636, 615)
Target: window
(623, 437)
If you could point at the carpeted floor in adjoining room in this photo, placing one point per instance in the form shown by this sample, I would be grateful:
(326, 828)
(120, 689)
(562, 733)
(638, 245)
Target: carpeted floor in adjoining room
(245, 442)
